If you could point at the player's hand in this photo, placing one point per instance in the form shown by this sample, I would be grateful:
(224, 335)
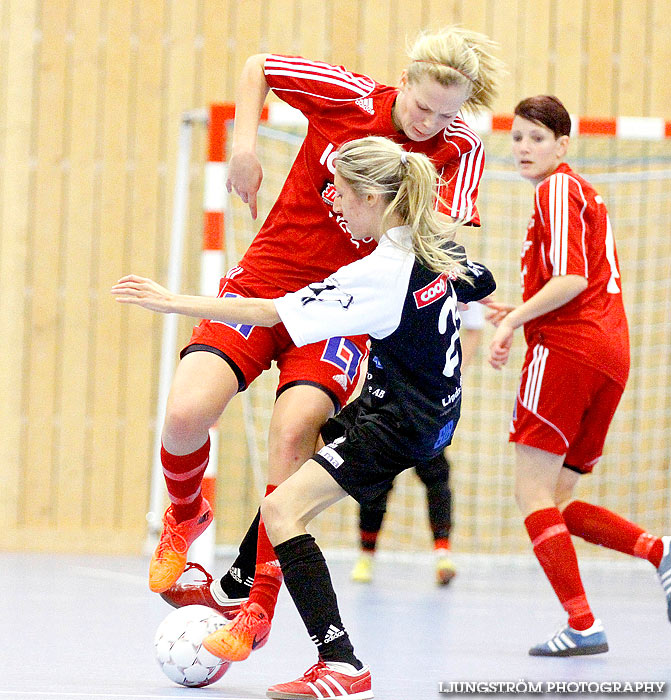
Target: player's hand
(244, 176)
(497, 311)
(144, 292)
(499, 348)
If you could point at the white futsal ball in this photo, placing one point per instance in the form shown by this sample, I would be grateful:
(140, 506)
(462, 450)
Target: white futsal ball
(179, 646)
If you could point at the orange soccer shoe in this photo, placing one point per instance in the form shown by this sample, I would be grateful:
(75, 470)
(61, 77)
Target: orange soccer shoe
(326, 681)
(238, 639)
(169, 559)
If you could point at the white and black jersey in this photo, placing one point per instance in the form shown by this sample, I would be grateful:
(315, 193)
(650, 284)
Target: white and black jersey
(411, 400)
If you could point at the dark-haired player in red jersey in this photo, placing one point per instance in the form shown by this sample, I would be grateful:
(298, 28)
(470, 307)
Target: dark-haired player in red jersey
(303, 239)
(574, 373)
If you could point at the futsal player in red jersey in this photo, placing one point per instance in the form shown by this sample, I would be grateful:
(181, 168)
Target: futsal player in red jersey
(303, 239)
(574, 372)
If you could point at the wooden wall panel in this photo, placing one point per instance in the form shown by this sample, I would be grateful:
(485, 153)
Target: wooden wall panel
(660, 58)
(378, 60)
(440, 13)
(45, 249)
(569, 55)
(108, 264)
(93, 93)
(477, 15)
(314, 30)
(78, 241)
(345, 18)
(145, 227)
(632, 71)
(534, 40)
(245, 34)
(16, 191)
(600, 45)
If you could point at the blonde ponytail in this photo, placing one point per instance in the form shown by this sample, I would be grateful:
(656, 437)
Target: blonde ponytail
(376, 165)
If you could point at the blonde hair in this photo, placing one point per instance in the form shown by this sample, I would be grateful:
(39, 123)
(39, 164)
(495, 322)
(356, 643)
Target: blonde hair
(457, 56)
(408, 181)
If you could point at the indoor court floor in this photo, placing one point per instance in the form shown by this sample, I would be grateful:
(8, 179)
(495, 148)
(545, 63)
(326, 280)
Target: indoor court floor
(82, 627)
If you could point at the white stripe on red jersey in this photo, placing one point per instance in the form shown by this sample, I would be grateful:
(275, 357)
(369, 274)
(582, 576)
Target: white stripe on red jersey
(361, 86)
(570, 234)
(535, 372)
(469, 172)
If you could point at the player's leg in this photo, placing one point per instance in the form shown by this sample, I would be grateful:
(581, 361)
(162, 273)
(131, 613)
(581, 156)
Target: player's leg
(297, 416)
(435, 476)
(300, 411)
(545, 423)
(244, 352)
(371, 517)
(287, 512)
(536, 476)
(599, 525)
(315, 381)
(202, 387)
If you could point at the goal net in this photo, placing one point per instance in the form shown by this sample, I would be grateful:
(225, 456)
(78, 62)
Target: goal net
(634, 476)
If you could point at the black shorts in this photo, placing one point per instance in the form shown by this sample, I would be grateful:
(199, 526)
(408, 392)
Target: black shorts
(356, 457)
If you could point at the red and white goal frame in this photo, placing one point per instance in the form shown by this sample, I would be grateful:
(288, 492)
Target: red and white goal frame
(216, 120)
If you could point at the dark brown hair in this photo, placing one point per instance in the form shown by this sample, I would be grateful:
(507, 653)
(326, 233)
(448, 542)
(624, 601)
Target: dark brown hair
(548, 111)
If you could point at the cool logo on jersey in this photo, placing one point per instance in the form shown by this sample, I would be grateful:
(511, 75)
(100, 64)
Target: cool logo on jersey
(432, 292)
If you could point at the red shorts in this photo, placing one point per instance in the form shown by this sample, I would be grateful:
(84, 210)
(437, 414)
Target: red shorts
(332, 365)
(564, 407)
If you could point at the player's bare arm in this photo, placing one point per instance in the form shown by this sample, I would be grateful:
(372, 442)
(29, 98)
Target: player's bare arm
(148, 294)
(244, 168)
(556, 293)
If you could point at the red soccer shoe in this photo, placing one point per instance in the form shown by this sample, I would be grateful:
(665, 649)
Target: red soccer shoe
(321, 681)
(206, 592)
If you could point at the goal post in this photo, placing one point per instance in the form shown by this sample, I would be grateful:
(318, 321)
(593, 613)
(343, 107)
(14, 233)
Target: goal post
(628, 160)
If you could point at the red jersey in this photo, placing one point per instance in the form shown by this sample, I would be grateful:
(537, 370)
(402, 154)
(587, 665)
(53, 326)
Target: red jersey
(302, 240)
(570, 234)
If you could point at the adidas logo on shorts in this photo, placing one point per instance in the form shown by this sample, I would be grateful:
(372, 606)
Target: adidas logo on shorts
(341, 379)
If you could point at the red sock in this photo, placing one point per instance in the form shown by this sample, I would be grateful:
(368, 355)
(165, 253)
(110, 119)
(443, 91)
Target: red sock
(441, 543)
(368, 540)
(183, 477)
(268, 575)
(600, 526)
(555, 552)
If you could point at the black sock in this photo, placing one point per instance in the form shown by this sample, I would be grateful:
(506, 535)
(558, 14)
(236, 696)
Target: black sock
(370, 524)
(435, 475)
(237, 581)
(439, 499)
(308, 581)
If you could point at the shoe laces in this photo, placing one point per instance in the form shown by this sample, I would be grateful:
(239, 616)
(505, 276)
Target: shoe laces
(194, 565)
(171, 537)
(314, 672)
(245, 618)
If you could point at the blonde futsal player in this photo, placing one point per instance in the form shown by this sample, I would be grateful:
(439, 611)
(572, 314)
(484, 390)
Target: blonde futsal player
(409, 406)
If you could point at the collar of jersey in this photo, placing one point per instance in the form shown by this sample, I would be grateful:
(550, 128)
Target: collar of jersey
(400, 235)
